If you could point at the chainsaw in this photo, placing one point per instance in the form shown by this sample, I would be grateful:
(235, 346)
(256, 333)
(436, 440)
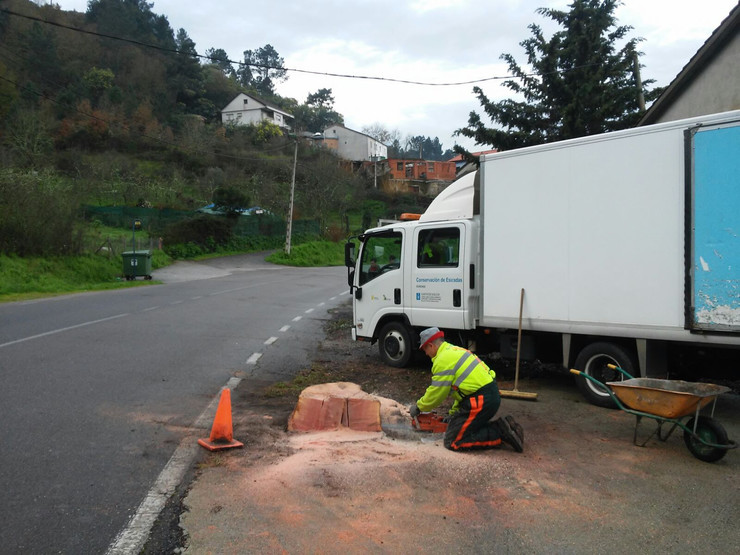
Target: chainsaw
(429, 422)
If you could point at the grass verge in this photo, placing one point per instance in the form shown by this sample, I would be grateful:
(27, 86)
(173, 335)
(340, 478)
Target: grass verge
(35, 277)
(312, 376)
(314, 253)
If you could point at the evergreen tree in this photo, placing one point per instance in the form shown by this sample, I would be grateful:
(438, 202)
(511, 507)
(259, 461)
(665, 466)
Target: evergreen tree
(581, 82)
(186, 77)
(317, 113)
(219, 58)
(43, 64)
(132, 19)
(261, 70)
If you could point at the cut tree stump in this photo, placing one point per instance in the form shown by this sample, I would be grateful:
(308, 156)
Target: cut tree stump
(332, 406)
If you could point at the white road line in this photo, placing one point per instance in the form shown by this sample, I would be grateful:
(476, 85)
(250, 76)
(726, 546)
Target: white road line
(271, 341)
(131, 540)
(196, 298)
(175, 302)
(284, 329)
(296, 318)
(150, 308)
(309, 311)
(242, 288)
(60, 330)
(254, 358)
(334, 297)
(321, 304)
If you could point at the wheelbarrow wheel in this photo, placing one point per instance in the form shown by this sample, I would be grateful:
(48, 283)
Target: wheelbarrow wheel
(709, 431)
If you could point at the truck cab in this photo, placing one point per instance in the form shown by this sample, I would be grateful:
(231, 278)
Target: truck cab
(412, 275)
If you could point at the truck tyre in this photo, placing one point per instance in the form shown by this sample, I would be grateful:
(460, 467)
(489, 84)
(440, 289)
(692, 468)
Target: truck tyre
(394, 345)
(592, 360)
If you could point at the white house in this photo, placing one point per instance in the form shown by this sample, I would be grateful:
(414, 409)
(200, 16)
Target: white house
(353, 145)
(246, 110)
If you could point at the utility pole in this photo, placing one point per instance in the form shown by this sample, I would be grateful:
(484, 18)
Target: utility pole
(638, 82)
(374, 160)
(289, 227)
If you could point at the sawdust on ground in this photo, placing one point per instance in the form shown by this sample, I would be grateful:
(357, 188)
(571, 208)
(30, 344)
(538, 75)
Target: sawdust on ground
(580, 486)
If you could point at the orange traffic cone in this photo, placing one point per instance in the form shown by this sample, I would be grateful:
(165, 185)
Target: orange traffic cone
(222, 434)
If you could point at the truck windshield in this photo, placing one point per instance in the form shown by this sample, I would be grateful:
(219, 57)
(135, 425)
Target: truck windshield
(380, 254)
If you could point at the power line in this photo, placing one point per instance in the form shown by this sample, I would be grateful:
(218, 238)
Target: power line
(265, 66)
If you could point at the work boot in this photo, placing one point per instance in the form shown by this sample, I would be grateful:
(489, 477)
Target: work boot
(508, 435)
(516, 427)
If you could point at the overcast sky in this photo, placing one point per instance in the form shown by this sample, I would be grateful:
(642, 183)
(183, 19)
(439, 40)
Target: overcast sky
(436, 41)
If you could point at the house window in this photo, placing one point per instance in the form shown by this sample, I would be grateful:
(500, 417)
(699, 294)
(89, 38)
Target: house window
(430, 167)
(246, 101)
(229, 117)
(399, 166)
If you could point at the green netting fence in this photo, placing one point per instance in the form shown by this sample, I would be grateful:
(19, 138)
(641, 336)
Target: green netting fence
(154, 220)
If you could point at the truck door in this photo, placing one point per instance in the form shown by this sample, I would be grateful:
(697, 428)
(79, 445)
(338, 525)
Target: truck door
(437, 296)
(715, 229)
(380, 280)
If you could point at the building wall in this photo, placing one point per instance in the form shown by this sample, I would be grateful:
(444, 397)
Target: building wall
(242, 117)
(421, 169)
(715, 89)
(423, 188)
(245, 110)
(333, 144)
(352, 145)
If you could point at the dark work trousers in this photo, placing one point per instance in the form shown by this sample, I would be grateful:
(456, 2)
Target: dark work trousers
(469, 427)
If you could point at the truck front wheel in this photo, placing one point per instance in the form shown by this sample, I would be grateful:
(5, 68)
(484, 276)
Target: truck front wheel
(593, 360)
(394, 345)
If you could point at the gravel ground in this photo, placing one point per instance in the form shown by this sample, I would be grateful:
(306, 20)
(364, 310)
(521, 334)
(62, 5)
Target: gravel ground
(580, 486)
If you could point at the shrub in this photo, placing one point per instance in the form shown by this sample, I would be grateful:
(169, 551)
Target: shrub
(39, 214)
(203, 231)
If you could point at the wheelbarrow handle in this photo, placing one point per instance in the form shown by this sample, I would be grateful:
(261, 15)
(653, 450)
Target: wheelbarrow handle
(605, 387)
(618, 369)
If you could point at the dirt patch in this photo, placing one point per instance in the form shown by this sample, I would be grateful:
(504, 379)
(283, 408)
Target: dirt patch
(580, 486)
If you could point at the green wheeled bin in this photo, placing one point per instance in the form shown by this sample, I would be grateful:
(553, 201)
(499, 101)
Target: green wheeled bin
(137, 263)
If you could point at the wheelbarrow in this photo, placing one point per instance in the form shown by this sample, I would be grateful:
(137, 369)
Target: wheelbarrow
(676, 403)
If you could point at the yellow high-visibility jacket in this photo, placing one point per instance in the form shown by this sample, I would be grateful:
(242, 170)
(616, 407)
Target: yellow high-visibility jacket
(457, 371)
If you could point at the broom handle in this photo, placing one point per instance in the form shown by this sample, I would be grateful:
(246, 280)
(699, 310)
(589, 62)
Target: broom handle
(519, 341)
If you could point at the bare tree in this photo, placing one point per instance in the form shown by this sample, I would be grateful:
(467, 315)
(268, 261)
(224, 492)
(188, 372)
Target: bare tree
(382, 134)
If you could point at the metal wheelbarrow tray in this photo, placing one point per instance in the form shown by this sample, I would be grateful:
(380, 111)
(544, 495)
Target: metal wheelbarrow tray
(666, 398)
(671, 401)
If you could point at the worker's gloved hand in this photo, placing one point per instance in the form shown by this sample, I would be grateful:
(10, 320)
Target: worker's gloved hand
(414, 410)
(447, 419)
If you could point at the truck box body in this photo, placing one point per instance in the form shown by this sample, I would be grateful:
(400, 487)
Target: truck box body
(594, 230)
(623, 243)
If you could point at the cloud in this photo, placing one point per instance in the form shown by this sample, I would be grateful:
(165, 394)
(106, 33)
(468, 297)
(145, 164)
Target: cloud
(419, 40)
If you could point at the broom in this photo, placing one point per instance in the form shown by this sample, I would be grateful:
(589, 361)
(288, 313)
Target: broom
(516, 394)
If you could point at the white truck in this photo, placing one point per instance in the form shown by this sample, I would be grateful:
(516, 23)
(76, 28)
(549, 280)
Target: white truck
(626, 244)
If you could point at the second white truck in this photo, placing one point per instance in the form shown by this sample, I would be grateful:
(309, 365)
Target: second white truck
(626, 245)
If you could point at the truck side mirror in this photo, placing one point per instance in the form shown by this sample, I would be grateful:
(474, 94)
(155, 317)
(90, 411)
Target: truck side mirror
(350, 278)
(349, 254)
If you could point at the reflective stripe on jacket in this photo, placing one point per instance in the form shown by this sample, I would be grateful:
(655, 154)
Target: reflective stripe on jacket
(454, 370)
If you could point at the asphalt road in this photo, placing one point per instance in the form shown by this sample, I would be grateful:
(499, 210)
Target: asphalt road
(100, 389)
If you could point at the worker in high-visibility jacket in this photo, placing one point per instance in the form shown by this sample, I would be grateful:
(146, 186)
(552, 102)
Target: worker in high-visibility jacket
(458, 372)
